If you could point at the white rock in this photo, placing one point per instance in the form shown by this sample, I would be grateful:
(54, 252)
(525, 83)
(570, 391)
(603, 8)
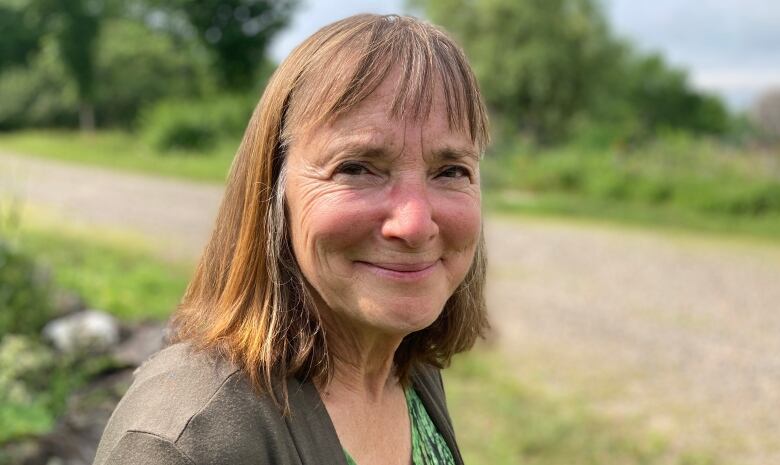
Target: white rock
(89, 329)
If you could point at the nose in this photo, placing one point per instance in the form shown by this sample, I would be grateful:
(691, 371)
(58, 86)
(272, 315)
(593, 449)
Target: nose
(410, 215)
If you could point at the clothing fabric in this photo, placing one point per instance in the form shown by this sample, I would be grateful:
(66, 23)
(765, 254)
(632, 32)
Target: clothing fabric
(194, 408)
(428, 446)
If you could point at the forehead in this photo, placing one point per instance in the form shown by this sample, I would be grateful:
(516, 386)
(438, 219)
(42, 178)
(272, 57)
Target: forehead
(372, 122)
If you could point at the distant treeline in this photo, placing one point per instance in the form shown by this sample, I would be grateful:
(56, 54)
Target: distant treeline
(100, 62)
(551, 70)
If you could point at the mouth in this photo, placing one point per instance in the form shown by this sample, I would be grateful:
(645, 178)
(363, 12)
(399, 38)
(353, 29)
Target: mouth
(401, 271)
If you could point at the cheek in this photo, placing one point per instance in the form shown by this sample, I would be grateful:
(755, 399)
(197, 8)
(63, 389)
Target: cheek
(327, 226)
(460, 223)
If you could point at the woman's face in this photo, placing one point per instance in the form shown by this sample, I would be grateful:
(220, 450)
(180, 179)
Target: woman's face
(384, 214)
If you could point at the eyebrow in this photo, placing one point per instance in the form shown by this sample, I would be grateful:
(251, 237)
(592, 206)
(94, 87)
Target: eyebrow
(371, 151)
(456, 153)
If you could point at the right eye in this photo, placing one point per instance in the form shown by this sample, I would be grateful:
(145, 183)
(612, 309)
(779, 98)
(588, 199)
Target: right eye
(352, 168)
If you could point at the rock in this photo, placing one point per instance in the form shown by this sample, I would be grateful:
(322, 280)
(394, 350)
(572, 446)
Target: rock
(142, 342)
(75, 438)
(86, 330)
(28, 452)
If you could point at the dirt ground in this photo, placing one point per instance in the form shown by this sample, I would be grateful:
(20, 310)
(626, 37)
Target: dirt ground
(676, 333)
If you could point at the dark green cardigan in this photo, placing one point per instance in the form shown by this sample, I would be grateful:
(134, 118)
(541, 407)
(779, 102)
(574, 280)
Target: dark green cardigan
(187, 408)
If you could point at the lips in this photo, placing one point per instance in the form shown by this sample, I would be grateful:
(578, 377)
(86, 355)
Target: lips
(404, 272)
(404, 267)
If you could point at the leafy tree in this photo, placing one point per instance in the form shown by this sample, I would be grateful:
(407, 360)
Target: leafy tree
(548, 65)
(662, 98)
(75, 26)
(538, 61)
(137, 66)
(39, 94)
(20, 37)
(237, 32)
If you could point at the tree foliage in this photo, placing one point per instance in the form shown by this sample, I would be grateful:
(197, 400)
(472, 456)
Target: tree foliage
(547, 65)
(20, 36)
(237, 32)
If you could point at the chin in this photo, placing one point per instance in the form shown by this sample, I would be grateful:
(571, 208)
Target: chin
(402, 317)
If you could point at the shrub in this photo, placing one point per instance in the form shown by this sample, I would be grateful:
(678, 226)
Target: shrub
(194, 125)
(161, 68)
(24, 368)
(25, 289)
(38, 95)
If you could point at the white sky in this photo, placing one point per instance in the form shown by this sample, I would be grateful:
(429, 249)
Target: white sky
(729, 47)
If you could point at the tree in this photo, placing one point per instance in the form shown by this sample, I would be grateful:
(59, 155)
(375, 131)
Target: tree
(20, 37)
(237, 32)
(547, 66)
(75, 27)
(661, 98)
(538, 61)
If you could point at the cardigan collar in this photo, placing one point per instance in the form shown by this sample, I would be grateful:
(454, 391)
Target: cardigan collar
(315, 436)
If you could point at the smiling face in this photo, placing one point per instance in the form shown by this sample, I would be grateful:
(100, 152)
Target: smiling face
(384, 214)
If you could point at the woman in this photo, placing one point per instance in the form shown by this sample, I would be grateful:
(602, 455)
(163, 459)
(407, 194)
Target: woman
(346, 267)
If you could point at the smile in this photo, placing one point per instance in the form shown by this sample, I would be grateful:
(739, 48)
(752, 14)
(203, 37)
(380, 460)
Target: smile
(401, 271)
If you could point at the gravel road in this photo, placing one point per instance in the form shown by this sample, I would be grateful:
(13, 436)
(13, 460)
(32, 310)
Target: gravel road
(677, 334)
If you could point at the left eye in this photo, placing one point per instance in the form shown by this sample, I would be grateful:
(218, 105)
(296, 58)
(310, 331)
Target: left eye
(455, 172)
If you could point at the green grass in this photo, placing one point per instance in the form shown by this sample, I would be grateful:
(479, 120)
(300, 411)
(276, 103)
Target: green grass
(122, 151)
(667, 218)
(501, 421)
(114, 274)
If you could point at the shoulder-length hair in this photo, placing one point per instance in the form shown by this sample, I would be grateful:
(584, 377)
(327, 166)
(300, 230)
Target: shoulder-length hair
(248, 299)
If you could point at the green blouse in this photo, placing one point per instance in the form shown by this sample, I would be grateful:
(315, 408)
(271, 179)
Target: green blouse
(428, 446)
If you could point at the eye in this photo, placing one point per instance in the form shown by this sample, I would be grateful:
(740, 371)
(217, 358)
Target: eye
(455, 171)
(351, 168)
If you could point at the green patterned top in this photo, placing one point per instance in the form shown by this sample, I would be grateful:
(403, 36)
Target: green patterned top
(428, 446)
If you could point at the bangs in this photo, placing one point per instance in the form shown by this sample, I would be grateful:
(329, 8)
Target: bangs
(346, 61)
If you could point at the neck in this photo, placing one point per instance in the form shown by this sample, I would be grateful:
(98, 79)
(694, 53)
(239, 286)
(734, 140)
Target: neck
(363, 363)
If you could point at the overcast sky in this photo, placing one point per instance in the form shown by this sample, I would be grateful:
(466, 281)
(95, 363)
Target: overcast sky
(730, 47)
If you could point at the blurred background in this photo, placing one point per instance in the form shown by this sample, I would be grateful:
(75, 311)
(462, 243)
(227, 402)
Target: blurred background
(632, 202)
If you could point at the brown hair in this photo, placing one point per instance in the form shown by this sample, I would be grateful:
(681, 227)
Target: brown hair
(248, 299)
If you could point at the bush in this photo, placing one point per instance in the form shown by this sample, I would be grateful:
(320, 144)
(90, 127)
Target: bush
(675, 170)
(38, 95)
(24, 368)
(194, 125)
(161, 69)
(25, 303)
(35, 384)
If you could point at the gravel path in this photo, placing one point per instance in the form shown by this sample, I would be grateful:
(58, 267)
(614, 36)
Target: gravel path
(676, 334)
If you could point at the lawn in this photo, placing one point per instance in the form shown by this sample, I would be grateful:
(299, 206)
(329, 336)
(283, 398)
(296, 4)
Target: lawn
(114, 272)
(122, 151)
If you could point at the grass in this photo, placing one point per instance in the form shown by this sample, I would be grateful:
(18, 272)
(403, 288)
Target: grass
(632, 214)
(122, 151)
(115, 273)
(500, 420)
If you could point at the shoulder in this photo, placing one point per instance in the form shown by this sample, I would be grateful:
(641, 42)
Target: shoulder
(187, 407)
